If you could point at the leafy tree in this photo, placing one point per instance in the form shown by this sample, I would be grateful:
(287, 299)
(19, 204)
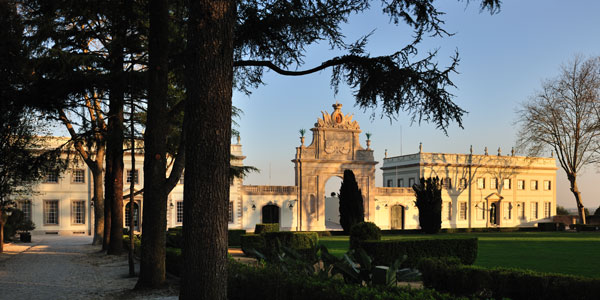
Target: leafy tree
(597, 212)
(239, 39)
(351, 202)
(564, 117)
(586, 212)
(429, 202)
(561, 211)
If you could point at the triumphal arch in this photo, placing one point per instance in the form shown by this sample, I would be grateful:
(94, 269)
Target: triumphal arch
(335, 147)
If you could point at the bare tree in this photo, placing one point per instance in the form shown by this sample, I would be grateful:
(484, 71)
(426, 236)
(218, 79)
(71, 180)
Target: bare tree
(563, 116)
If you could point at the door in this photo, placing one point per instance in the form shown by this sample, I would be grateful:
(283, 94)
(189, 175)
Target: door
(493, 214)
(397, 218)
(270, 213)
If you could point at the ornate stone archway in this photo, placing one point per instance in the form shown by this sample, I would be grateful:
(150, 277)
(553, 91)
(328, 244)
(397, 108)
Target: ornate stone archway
(335, 147)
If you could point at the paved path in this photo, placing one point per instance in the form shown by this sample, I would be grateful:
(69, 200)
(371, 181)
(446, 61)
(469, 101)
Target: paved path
(56, 267)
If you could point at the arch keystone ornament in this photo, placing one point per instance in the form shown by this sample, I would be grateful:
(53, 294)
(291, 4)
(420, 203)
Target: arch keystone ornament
(335, 147)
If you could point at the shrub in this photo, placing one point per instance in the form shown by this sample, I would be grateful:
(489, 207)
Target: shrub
(174, 238)
(351, 202)
(386, 252)
(267, 227)
(276, 284)
(429, 201)
(234, 237)
(252, 241)
(137, 244)
(363, 231)
(173, 261)
(303, 242)
(505, 283)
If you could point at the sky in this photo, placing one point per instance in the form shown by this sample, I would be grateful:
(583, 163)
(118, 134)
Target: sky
(504, 58)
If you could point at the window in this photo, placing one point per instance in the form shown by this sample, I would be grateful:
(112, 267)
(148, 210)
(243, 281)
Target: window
(447, 183)
(390, 182)
(534, 185)
(521, 210)
(78, 212)
(507, 211)
(534, 210)
(481, 211)
(411, 182)
(78, 176)
(136, 215)
(462, 183)
(179, 212)
(547, 210)
(521, 184)
(135, 176)
(547, 185)
(25, 207)
(506, 184)
(493, 183)
(181, 178)
(481, 183)
(51, 177)
(51, 212)
(447, 211)
(463, 210)
(230, 211)
(401, 182)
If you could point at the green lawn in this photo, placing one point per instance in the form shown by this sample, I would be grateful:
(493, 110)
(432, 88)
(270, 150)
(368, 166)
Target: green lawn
(557, 252)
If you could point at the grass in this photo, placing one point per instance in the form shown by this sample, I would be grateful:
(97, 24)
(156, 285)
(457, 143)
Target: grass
(556, 252)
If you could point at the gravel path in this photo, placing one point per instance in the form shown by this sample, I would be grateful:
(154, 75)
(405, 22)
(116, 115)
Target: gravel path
(59, 267)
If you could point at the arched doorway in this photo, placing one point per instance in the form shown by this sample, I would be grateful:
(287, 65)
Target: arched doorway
(397, 217)
(136, 216)
(493, 214)
(270, 213)
(332, 203)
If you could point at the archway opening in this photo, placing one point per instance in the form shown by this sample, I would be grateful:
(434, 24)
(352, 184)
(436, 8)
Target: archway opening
(332, 203)
(397, 217)
(136, 216)
(494, 214)
(270, 213)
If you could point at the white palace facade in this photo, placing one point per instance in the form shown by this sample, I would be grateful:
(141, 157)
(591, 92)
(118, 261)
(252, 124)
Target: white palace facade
(478, 190)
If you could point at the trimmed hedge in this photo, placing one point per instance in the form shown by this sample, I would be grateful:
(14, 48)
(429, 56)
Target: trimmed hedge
(587, 227)
(175, 238)
(244, 281)
(266, 227)
(137, 244)
(234, 237)
(387, 251)
(505, 283)
(303, 242)
(551, 226)
(363, 231)
(252, 241)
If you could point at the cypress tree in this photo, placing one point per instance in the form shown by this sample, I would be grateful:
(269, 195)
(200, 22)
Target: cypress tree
(429, 202)
(351, 202)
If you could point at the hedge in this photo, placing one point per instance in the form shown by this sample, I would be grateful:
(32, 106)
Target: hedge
(387, 251)
(551, 226)
(587, 227)
(251, 283)
(234, 237)
(266, 227)
(137, 244)
(252, 241)
(303, 242)
(173, 262)
(505, 283)
(363, 231)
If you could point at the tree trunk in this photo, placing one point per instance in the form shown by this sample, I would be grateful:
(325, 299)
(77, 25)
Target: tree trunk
(1, 232)
(152, 264)
(98, 205)
(115, 138)
(575, 190)
(207, 131)
(108, 198)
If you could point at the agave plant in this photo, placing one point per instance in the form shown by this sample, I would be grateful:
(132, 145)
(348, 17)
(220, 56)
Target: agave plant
(302, 132)
(368, 134)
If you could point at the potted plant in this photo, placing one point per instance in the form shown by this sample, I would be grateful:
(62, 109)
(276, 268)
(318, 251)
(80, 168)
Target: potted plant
(302, 132)
(368, 134)
(24, 228)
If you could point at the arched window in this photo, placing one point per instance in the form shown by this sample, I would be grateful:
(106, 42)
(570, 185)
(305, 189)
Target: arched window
(270, 213)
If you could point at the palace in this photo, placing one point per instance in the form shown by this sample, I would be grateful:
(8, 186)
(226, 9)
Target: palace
(478, 190)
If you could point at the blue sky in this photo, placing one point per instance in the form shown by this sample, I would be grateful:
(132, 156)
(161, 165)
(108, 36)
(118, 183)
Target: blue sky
(504, 59)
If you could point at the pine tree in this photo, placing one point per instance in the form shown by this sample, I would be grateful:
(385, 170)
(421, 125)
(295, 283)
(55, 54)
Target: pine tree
(351, 202)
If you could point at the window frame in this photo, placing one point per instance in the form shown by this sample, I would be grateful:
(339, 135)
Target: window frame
(534, 185)
(547, 185)
(521, 184)
(481, 183)
(46, 215)
(230, 213)
(531, 212)
(504, 185)
(74, 176)
(462, 211)
(494, 183)
(547, 209)
(400, 182)
(48, 175)
(74, 213)
(178, 215)
(411, 182)
(25, 206)
(128, 176)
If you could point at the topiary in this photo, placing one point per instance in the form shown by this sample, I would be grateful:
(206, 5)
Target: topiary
(266, 227)
(429, 201)
(351, 202)
(363, 231)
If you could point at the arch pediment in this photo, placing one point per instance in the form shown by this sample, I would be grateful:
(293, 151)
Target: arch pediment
(494, 197)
